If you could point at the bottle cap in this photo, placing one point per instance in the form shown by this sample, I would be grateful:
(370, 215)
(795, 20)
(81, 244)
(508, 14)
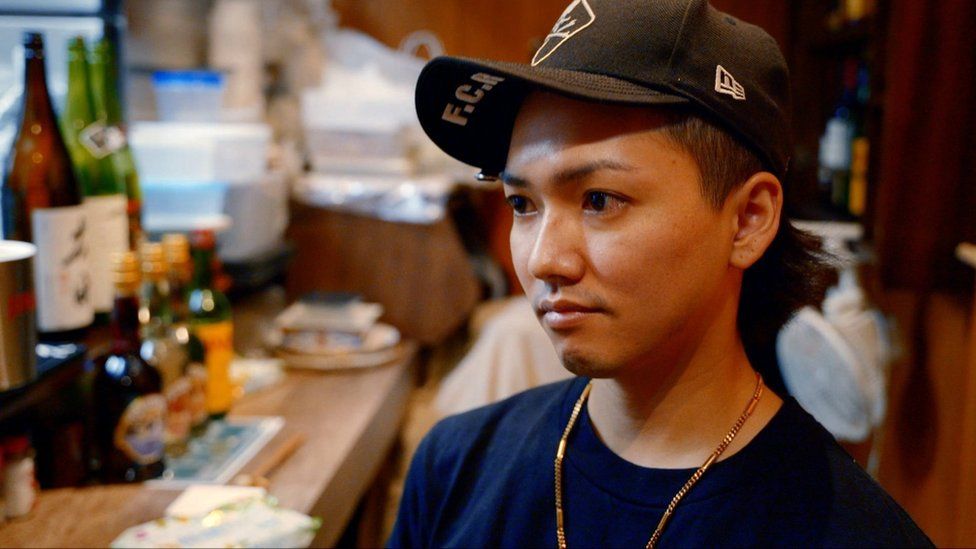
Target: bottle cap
(34, 45)
(125, 271)
(176, 248)
(153, 260)
(203, 239)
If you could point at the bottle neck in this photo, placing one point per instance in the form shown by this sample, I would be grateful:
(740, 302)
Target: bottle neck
(105, 90)
(202, 268)
(78, 109)
(178, 282)
(37, 101)
(125, 322)
(155, 310)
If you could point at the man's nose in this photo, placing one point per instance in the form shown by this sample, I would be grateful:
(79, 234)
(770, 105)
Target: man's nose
(556, 256)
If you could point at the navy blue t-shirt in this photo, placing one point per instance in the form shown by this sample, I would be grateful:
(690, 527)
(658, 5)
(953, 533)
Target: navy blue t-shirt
(485, 478)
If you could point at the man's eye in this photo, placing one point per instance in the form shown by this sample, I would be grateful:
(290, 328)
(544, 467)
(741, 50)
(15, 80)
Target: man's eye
(519, 204)
(599, 201)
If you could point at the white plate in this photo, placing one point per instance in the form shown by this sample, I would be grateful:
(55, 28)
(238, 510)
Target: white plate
(379, 348)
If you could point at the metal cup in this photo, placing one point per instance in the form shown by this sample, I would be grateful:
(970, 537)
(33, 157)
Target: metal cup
(18, 335)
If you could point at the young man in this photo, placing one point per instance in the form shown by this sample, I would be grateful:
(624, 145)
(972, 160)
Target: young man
(642, 152)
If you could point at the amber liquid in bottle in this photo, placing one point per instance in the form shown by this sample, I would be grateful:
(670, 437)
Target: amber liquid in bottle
(42, 204)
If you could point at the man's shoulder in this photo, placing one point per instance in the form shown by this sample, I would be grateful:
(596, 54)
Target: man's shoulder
(854, 509)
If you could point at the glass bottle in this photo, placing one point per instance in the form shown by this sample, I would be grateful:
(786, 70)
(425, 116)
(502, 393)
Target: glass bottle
(129, 408)
(176, 248)
(211, 321)
(160, 347)
(42, 204)
(105, 201)
(860, 145)
(108, 108)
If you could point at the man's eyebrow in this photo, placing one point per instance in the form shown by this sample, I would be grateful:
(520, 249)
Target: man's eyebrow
(512, 180)
(573, 173)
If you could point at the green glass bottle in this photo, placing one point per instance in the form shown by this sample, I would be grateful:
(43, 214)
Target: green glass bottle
(212, 322)
(105, 202)
(103, 68)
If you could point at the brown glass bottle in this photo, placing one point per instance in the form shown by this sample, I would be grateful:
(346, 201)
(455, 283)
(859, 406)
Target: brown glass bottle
(129, 408)
(42, 204)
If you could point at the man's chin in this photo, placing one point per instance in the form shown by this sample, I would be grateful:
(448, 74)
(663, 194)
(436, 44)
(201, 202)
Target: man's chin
(585, 365)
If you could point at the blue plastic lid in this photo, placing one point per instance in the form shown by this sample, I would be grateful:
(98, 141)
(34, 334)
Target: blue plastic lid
(188, 78)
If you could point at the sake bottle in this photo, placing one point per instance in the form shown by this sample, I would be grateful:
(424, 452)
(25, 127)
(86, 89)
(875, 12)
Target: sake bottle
(89, 142)
(42, 204)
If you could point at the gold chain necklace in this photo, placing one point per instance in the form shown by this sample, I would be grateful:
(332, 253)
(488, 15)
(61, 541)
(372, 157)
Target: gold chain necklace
(561, 452)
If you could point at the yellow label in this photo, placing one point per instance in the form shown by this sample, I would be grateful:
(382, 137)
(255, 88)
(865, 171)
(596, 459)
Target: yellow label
(218, 346)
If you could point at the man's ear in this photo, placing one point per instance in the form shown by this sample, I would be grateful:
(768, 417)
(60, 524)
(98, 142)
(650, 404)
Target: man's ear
(757, 205)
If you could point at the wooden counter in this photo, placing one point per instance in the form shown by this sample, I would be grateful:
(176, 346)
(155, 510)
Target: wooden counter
(348, 419)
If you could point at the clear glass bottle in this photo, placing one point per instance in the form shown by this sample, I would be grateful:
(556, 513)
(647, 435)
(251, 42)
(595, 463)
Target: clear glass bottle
(176, 247)
(160, 346)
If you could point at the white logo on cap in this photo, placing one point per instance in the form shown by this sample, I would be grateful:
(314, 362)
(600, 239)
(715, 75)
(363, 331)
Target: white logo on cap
(725, 83)
(578, 16)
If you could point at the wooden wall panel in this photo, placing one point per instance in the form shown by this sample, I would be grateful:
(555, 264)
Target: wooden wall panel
(505, 29)
(474, 28)
(921, 461)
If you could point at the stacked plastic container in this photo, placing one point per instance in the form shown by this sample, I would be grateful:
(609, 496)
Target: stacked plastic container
(198, 172)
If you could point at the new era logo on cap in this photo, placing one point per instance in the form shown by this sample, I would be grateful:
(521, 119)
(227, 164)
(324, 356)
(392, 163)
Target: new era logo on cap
(578, 16)
(725, 83)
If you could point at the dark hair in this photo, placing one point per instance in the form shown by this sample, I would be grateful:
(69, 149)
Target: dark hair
(793, 271)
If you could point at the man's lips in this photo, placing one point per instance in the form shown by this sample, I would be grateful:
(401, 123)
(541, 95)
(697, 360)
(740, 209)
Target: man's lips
(562, 314)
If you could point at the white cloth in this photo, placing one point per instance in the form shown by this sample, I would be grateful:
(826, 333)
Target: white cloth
(511, 354)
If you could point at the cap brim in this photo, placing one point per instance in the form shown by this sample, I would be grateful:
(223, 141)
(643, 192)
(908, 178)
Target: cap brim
(468, 106)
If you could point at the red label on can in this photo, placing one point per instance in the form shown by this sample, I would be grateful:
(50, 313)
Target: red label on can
(21, 303)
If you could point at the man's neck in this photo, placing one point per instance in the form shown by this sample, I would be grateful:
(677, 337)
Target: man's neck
(677, 422)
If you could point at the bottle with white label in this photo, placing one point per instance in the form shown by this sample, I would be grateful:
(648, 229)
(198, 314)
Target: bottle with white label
(103, 188)
(129, 407)
(42, 204)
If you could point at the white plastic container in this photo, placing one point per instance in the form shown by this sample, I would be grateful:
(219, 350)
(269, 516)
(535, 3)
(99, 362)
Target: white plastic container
(189, 96)
(259, 210)
(193, 152)
(182, 205)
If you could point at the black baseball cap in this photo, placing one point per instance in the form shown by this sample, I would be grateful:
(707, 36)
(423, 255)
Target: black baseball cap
(633, 52)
